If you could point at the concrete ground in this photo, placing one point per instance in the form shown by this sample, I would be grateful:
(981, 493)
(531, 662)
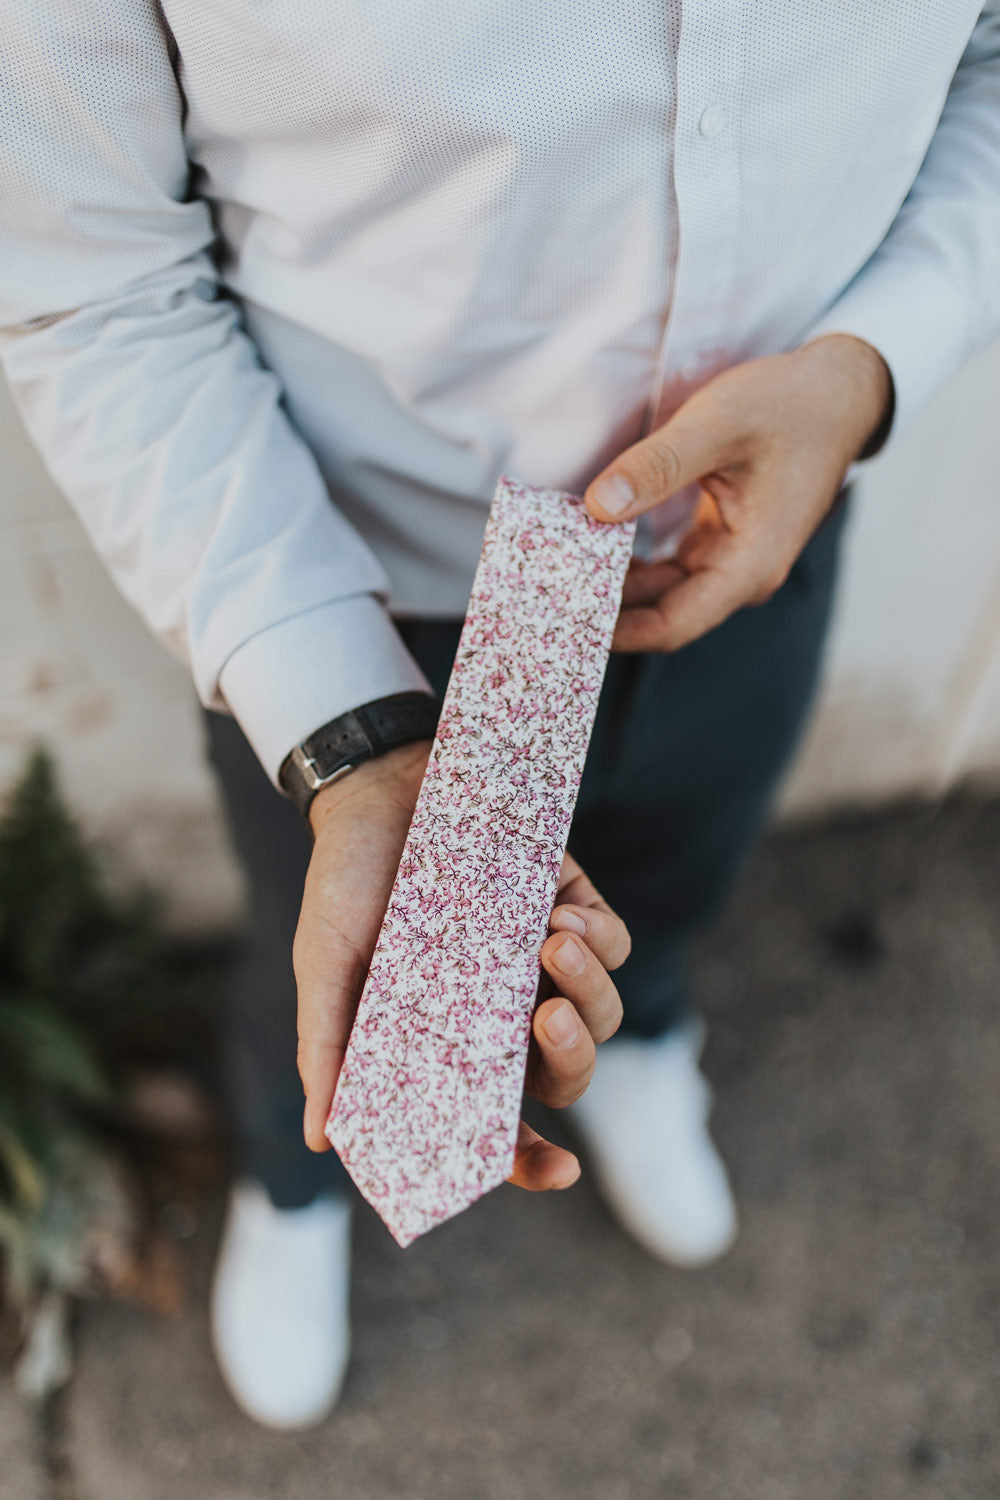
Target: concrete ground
(849, 1347)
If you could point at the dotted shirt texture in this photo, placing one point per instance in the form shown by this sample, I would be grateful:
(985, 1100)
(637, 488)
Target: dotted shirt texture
(286, 285)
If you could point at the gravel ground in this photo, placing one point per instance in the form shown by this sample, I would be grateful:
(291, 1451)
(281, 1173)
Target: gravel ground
(849, 1347)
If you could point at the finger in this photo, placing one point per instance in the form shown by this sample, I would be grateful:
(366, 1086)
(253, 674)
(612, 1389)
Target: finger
(698, 438)
(583, 909)
(539, 1166)
(603, 931)
(561, 1058)
(725, 571)
(681, 615)
(575, 885)
(319, 1069)
(581, 978)
(329, 975)
(645, 582)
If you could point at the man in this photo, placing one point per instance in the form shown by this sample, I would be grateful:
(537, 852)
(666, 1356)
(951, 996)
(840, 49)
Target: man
(286, 287)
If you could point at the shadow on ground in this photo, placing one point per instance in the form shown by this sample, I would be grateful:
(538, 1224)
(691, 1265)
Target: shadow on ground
(848, 1348)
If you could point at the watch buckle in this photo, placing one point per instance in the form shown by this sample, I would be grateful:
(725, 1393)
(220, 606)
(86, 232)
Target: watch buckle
(306, 767)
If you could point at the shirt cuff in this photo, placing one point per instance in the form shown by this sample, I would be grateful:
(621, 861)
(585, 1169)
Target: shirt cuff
(915, 317)
(291, 678)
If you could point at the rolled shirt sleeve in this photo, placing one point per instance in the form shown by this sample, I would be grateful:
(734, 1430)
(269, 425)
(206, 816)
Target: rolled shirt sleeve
(929, 297)
(148, 402)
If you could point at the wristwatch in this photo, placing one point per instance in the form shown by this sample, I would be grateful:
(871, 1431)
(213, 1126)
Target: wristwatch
(361, 734)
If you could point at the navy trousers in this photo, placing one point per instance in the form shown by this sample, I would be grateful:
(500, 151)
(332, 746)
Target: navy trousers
(686, 755)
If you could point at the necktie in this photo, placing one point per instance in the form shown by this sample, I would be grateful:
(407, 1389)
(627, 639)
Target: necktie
(427, 1106)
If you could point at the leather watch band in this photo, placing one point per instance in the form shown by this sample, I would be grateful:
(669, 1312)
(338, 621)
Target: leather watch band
(360, 734)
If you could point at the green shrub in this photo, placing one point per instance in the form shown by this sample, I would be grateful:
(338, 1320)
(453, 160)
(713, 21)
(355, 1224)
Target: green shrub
(85, 978)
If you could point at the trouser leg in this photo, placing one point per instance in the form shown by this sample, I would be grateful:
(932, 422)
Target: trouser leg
(687, 753)
(261, 1081)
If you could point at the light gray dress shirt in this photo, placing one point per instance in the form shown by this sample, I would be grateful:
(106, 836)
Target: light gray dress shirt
(286, 284)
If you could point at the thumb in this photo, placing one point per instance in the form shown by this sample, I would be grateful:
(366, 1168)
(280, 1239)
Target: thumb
(693, 442)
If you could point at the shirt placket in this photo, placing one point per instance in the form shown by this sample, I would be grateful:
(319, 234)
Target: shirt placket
(698, 330)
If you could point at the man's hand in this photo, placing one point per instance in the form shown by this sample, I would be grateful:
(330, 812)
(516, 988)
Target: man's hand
(360, 825)
(770, 442)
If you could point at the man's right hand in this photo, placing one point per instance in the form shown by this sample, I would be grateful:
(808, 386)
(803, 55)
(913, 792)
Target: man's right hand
(360, 825)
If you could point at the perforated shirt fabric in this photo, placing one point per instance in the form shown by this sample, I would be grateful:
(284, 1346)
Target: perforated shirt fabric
(285, 286)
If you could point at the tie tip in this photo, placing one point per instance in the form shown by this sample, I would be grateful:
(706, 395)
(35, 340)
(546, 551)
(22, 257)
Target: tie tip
(415, 1210)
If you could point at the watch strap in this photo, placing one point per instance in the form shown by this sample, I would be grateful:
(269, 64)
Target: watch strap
(358, 735)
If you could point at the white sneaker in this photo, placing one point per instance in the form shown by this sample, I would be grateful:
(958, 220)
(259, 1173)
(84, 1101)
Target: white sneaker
(644, 1122)
(279, 1316)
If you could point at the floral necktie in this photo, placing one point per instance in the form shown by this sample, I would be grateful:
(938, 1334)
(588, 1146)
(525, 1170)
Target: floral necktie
(426, 1111)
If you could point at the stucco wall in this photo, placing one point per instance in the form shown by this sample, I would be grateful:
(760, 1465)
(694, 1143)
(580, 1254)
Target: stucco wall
(912, 689)
(911, 701)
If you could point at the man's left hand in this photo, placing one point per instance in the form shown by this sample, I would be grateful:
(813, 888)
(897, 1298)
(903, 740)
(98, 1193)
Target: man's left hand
(769, 441)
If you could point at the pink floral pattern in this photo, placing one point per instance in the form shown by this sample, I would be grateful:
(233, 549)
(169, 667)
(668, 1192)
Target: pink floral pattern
(426, 1112)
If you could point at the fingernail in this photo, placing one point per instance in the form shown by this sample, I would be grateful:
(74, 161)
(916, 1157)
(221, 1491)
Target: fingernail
(560, 1026)
(613, 494)
(569, 957)
(569, 921)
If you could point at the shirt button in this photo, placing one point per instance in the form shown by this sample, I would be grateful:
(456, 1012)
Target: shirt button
(713, 121)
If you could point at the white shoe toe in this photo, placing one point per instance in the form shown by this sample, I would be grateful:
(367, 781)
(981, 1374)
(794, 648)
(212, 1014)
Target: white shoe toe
(279, 1316)
(644, 1122)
